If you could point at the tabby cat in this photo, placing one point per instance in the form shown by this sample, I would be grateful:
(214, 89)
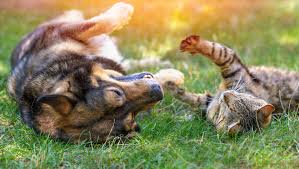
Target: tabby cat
(247, 97)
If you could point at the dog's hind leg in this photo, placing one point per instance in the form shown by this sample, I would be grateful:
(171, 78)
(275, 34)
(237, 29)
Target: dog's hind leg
(112, 19)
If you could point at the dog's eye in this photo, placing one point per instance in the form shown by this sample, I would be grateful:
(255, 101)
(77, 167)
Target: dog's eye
(114, 97)
(148, 76)
(118, 92)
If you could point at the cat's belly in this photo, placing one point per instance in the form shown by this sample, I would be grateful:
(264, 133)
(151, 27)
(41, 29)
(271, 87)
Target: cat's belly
(278, 87)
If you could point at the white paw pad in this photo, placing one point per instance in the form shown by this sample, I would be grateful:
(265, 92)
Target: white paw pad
(120, 13)
(170, 75)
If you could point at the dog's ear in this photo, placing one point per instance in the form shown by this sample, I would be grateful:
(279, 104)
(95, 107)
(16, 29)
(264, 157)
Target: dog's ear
(60, 103)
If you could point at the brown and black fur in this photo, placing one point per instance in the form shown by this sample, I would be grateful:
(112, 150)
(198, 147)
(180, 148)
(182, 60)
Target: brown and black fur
(246, 91)
(65, 89)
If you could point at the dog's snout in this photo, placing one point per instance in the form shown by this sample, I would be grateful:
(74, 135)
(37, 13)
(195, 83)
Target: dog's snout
(156, 92)
(142, 86)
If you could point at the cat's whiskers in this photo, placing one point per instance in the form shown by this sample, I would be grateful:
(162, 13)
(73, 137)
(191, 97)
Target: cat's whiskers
(238, 83)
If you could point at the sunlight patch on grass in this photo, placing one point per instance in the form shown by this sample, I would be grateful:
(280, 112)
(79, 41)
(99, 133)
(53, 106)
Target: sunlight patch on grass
(16, 152)
(169, 138)
(4, 122)
(207, 9)
(290, 37)
(156, 49)
(177, 22)
(290, 6)
(288, 40)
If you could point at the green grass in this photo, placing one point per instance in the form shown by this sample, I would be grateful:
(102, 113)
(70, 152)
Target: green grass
(168, 139)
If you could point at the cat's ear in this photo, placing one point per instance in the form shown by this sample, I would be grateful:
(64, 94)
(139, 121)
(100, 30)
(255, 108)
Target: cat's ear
(234, 127)
(264, 114)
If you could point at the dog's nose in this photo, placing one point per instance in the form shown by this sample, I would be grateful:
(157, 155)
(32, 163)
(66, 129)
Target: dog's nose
(156, 92)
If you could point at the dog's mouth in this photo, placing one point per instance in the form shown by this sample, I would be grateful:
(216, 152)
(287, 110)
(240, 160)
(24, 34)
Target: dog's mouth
(145, 108)
(135, 110)
(130, 126)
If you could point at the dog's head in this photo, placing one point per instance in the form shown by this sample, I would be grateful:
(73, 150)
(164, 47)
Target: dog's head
(93, 103)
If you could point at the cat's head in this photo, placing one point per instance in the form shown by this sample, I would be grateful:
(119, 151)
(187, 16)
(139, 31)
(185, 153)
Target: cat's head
(235, 112)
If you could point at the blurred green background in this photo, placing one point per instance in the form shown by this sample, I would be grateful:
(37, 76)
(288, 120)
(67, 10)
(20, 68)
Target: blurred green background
(264, 32)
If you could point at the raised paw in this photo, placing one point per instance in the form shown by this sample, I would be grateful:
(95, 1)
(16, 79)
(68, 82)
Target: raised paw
(173, 87)
(112, 19)
(120, 13)
(190, 44)
(166, 76)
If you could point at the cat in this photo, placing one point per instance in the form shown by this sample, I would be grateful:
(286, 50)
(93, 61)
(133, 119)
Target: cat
(247, 97)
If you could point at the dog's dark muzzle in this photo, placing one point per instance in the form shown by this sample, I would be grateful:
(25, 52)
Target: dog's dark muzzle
(156, 92)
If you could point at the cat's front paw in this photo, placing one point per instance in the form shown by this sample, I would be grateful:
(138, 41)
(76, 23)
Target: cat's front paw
(190, 44)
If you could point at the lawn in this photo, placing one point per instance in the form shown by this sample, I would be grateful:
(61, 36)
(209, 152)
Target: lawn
(174, 135)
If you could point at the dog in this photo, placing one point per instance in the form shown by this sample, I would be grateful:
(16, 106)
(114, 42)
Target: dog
(69, 83)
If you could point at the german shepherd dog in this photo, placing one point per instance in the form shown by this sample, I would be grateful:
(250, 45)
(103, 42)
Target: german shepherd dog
(68, 88)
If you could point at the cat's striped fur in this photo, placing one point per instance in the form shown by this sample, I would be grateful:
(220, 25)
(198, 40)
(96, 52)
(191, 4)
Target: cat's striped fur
(246, 95)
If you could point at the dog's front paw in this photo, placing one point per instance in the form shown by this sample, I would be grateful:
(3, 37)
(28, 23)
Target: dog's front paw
(190, 44)
(169, 76)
